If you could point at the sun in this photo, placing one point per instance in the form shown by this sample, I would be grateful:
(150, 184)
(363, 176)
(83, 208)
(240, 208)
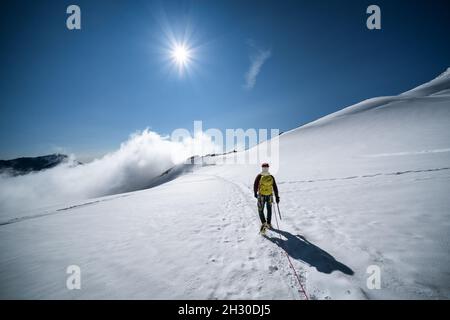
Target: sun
(181, 55)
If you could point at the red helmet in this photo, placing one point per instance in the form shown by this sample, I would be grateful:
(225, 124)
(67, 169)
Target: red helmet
(265, 165)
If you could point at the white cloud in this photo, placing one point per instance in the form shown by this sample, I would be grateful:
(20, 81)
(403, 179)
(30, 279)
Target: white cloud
(144, 156)
(256, 62)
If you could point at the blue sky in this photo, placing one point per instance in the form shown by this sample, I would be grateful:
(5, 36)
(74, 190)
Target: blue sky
(85, 91)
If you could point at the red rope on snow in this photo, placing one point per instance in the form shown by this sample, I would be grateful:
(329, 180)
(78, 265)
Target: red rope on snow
(290, 261)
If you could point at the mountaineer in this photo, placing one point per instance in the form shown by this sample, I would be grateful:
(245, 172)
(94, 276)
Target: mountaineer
(263, 188)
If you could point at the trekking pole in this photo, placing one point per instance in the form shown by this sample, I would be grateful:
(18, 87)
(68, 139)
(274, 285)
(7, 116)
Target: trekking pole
(279, 213)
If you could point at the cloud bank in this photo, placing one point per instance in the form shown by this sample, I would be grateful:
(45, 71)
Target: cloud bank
(257, 60)
(144, 156)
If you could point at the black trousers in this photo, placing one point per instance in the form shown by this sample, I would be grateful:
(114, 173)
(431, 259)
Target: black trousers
(265, 201)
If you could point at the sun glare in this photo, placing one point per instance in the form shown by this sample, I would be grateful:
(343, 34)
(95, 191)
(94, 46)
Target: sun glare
(180, 55)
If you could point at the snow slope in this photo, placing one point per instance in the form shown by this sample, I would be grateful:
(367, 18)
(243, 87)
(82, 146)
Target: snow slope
(367, 185)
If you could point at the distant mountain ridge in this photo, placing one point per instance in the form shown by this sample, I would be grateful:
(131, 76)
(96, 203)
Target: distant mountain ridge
(26, 165)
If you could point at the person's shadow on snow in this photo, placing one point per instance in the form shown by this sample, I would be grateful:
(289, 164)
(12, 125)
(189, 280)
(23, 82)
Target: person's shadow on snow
(301, 249)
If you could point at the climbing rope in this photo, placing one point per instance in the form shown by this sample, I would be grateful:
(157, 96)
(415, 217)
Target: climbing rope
(302, 289)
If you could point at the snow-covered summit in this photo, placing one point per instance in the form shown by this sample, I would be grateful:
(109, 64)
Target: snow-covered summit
(439, 85)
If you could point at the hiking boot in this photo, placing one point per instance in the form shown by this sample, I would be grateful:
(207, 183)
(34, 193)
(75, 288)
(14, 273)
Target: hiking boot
(263, 226)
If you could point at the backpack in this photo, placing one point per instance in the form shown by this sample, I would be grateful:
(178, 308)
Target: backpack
(265, 185)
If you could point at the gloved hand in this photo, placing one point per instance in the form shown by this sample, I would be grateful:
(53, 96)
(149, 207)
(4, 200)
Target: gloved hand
(277, 199)
(256, 195)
